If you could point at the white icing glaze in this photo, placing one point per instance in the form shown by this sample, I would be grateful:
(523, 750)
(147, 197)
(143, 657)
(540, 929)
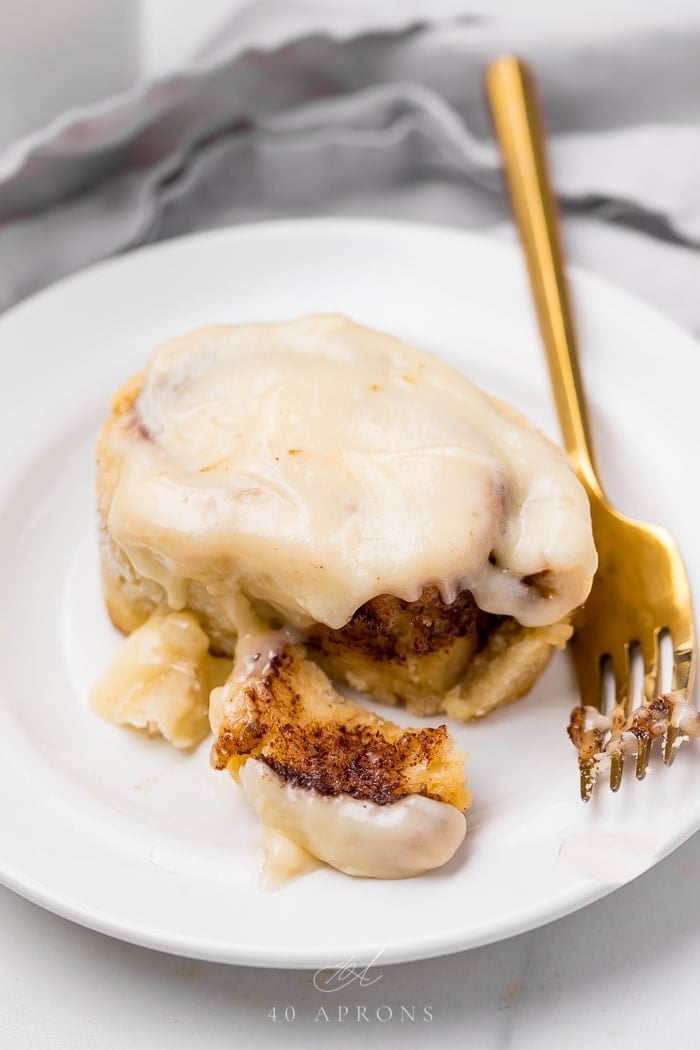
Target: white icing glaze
(395, 841)
(316, 464)
(161, 678)
(284, 860)
(255, 651)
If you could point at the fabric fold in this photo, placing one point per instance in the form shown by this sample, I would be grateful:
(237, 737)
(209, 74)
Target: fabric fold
(323, 110)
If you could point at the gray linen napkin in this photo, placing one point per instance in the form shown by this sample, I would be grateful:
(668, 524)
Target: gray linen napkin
(301, 109)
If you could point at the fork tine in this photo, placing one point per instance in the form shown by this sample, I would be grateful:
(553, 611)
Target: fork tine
(682, 664)
(622, 670)
(683, 667)
(621, 666)
(617, 763)
(643, 753)
(651, 653)
(669, 745)
(588, 665)
(589, 677)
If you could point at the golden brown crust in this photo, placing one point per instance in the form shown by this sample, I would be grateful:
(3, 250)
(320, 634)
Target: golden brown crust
(126, 395)
(388, 629)
(437, 658)
(404, 652)
(130, 597)
(293, 720)
(510, 663)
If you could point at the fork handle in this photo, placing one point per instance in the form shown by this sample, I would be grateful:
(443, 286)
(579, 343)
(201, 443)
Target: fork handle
(519, 127)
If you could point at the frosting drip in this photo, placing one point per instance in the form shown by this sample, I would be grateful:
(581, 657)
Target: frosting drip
(314, 465)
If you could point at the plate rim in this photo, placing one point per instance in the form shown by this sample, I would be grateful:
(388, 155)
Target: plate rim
(509, 249)
(409, 948)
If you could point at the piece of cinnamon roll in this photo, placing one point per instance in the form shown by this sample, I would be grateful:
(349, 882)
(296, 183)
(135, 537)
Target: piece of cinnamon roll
(359, 793)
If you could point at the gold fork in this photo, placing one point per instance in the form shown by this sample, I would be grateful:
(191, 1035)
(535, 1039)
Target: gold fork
(641, 588)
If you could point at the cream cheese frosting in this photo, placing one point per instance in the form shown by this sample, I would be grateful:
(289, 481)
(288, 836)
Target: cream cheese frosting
(313, 465)
(395, 841)
(161, 679)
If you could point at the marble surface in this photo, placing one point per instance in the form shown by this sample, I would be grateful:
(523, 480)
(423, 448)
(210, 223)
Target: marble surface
(620, 973)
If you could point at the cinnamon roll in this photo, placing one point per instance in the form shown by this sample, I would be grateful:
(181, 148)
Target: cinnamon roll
(323, 498)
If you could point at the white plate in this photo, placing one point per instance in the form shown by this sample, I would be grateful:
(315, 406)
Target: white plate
(132, 838)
